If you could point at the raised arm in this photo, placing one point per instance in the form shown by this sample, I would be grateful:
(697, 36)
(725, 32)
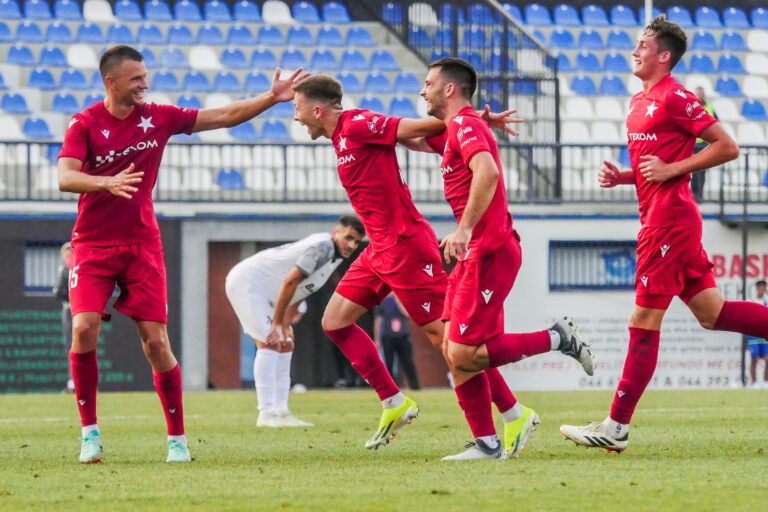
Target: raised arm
(416, 128)
(72, 179)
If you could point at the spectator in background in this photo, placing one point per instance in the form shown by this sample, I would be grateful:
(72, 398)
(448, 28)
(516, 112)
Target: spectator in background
(61, 292)
(393, 336)
(698, 178)
(758, 347)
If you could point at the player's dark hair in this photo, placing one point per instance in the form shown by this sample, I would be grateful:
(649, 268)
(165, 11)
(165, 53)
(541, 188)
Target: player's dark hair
(321, 89)
(670, 38)
(761, 283)
(354, 222)
(459, 72)
(115, 55)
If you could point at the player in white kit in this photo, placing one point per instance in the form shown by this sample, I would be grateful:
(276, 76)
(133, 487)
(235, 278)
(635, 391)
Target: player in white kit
(265, 291)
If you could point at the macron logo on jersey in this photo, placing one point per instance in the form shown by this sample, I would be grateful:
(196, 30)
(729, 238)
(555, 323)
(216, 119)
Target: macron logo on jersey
(487, 295)
(359, 117)
(462, 328)
(644, 280)
(101, 160)
(459, 119)
(680, 93)
(664, 248)
(105, 133)
(428, 270)
(71, 122)
(427, 306)
(642, 136)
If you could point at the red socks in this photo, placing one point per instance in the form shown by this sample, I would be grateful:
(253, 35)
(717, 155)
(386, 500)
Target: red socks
(168, 386)
(509, 348)
(747, 318)
(500, 392)
(638, 370)
(85, 373)
(475, 400)
(362, 353)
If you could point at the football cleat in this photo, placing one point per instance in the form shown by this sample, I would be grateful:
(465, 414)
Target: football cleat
(286, 419)
(478, 450)
(516, 433)
(594, 435)
(268, 418)
(572, 344)
(392, 421)
(90, 448)
(177, 452)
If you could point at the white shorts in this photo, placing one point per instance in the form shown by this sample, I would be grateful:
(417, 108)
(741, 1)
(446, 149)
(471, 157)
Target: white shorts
(252, 308)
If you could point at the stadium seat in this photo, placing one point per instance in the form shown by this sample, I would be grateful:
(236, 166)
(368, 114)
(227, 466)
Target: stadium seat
(448, 12)
(305, 12)
(149, 57)
(21, 55)
(733, 42)
(67, 10)
(36, 128)
(41, 78)
(623, 16)
(401, 106)
(37, 10)
(606, 132)
(58, 32)
(281, 109)
(729, 63)
(757, 40)
(299, 36)
(703, 41)
(383, 60)
(654, 13)
(377, 83)
(90, 33)
(707, 17)
(349, 82)
(438, 54)
(574, 132)
(270, 36)
(407, 83)
(256, 82)
(616, 62)
(204, 58)
(73, 79)
(701, 63)
(514, 11)
(587, 62)
(474, 58)
(196, 81)
(594, 16)
(680, 67)
(64, 103)
(173, 58)
(275, 130)
(421, 14)
(443, 38)
(561, 38)
(293, 59)
(150, 34)
(537, 14)
(119, 33)
(480, 15)
(52, 56)
(239, 34)
(726, 109)
(591, 40)
(210, 34)
(92, 98)
(525, 85)
(246, 11)
(216, 12)
(392, 13)
(157, 10)
(750, 133)
(563, 63)
(180, 34)
(184, 10)
(619, 40)
(230, 179)
(565, 15)
(578, 108)
(753, 109)
(226, 81)
(329, 36)
(98, 11)
(371, 103)
(757, 86)
(698, 80)
(353, 60)
(128, 10)
(359, 36)
(612, 85)
(166, 81)
(681, 16)
(14, 103)
(5, 33)
(233, 58)
(609, 108)
(263, 59)
(582, 84)
(335, 12)
(189, 101)
(474, 37)
(96, 81)
(29, 32)
(727, 86)
(418, 37)
(81, 56)
(323, 60)
(759, 17)
(735, 18)
(10, 10)
(275, 12)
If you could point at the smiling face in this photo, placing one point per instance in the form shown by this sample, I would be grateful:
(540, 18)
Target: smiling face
(646, 57)
(433, 93)
(309, 114)
(126, 82)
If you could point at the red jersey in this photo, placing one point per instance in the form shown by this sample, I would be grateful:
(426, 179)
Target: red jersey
(665, 122)
(365, 146)
(467, 134)
(106, 146)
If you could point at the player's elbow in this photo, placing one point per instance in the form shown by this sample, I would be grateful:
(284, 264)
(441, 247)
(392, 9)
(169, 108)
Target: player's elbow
(732, 150)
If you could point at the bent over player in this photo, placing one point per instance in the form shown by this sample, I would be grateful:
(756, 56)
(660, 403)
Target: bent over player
(111, 155)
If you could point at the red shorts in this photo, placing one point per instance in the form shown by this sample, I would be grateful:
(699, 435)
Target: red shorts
(139, 271)
(670, 261)
(411, 268)
(477, 288)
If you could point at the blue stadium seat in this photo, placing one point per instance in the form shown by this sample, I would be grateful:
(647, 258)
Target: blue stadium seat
(594, 16)
(157, 10)
(616, 63)
(36, 128)
(183, 137)
(244, 132)
(299, 36)
(359, 36)
(216, 11)
(474, 37)
(275, 130)
(582, 84)
(400, 106)
(707, 17)
(591, 40)
(730, 63)
(270, 35)
(5, 33)
(37, 10)
(90, 33)
(377, 83)
(732, 41)
(525, 85)
(67, 10)
(349, 82)
(561, 38)
(128, 10)
(680, 67)
(323, 60)
(246, 11)
(727, 86)
(566, 15)
(701, 63)
(14, 103)
(29, 32)
(180, 34)
(21, 55)
(473, 58)
(166, 81)
(173, 58)
(514, 11)
(418, 37)
(184, 10)
(335, 12)
(41, 78)
(263, 59)
(624, 158)
(703, 40)
(150, 33)
(230, 179)
(383, 61)
(392, 13)
(226, 81)
(448, 12)
(196, 81)
(753, 110)
(73, 79)
(293, 59)
(64, 103)
(96, 81)
(239, 34)
(353, 60)
(189, 101)
(120, 33)
(537, 14)
(438, 54)
(209, 34)
(619, 40)
(233, 58)
(495, 61)
(149, 57)
(282, 109)
(481, 15)
(735, 18)
(680, 15)
(623, 16)
(654, 13)
(372, 103)
(588, 62)
(443, 38)
(92, 98)
(52, 56)
(10, 10)
(563, 63)
(407, 83)
(528, 42)
(613, 85)
(759, 17)
(256, 82)
(329, 36)
(58, 32)
(3, 85)
(52, 152)
(305, 12)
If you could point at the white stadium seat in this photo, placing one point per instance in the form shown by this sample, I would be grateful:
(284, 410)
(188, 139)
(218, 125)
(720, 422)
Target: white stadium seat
(299, 133)
(158, 97)
(422, 14)
(634, 84)
(276, 12)
(204, 58)
(750, 133)
(574, 132)
(755, 87)
(578, 108)
(82, 56)
(757, 40)
(98, 11)
(726, 109)
(217, 100)
(9, 130)
(220, 135)
(729, 129)
(696, 80)
(756, 64)
(605, 132)
(609, 108)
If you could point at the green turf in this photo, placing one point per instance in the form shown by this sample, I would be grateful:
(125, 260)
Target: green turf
(689, 450)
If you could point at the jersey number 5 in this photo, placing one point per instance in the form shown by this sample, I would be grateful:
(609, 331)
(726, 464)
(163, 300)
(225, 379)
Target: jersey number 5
(73, 277)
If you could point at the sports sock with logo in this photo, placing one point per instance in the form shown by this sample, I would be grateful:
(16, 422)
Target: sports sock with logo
(168, 386)
(85, 373)
(511, 347)
(638, 370)
(362, 353)
(264, 376)
(501, 395)
(475, 400)
(747, 318)
(283, 379)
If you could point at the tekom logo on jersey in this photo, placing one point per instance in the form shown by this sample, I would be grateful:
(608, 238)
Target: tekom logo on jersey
(101, 160)
(345, 160)
(642, 136)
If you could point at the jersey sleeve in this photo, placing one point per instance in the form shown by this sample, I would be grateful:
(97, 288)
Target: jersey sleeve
(75, 139)
(687, 113)
(437, 143)
(315, 257)
(372, 128)
(178, 119)
(471, 138)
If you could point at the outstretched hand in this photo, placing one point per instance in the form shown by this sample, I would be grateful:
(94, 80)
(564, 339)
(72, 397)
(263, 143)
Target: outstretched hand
(125, 183)
(501, 120)
(283, 89)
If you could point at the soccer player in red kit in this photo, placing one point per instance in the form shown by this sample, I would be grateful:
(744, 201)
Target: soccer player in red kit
(487, 248)
(111, 155)
(403, 254)
(663, 124)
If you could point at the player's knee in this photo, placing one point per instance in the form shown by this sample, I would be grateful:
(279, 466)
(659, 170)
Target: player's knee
(84, 330)
(707, 320)
(156, 343)
(460, 358)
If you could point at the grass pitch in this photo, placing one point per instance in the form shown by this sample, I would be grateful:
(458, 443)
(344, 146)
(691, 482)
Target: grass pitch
(689, 450)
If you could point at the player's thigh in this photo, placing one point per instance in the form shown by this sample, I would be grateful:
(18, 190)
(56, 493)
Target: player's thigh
(341, 312)
(252, 309)
(359, 290)
(93, 274)
(143, 287)
(706, 306)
